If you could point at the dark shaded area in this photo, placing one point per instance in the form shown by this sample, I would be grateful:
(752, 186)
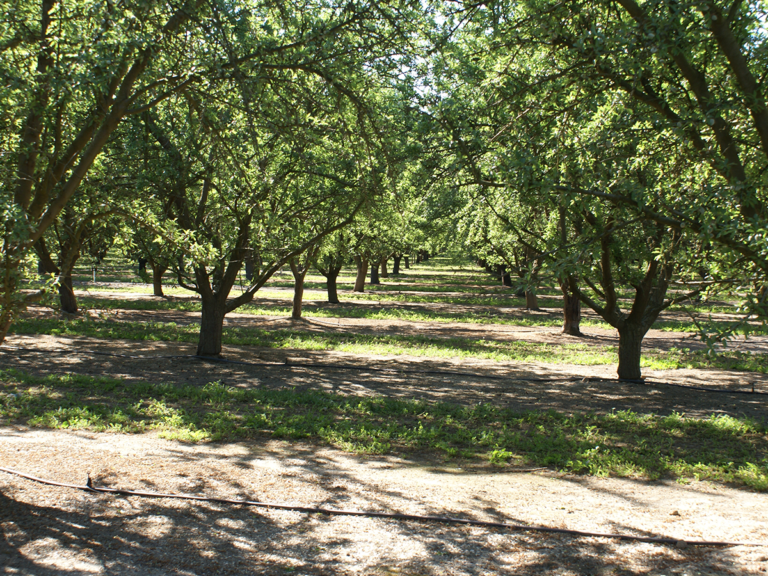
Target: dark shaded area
(521, 386)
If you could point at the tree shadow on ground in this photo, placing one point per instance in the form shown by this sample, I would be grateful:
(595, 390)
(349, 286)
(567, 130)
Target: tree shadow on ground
(84, 533)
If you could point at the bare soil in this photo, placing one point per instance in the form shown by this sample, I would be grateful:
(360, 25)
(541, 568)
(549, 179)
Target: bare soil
(55, 531)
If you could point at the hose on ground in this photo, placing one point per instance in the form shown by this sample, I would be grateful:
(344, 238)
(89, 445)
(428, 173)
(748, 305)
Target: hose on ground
(90, 487)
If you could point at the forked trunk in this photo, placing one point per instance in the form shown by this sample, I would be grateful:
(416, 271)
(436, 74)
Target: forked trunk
(375, 274)
(157, 280)
(384, 268)
(362, 270)
(211, 328)
(571, 313)
(67, 295)
(333, 296)
(531, 300)
(407, 262)
(630, 344)
(298, 296)
(396, 265)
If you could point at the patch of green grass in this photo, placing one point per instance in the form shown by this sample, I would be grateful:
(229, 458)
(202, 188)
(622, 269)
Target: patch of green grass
(497, 350)
(719, 448)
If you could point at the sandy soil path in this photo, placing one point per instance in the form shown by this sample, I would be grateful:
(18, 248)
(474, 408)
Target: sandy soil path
(53, 531)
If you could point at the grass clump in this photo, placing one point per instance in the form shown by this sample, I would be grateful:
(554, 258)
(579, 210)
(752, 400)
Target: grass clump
(719, 448)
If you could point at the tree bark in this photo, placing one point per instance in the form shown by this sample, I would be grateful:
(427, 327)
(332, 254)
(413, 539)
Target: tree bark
(383, 264)
(531, 300)
(407, 262)
(157, 280)
(396, 265)
(506, 278)
(67, 295)
(211, 328)
(298, 297)
(362, 270)
(333, 296)
(630, 344)
(375, 274)
(249, 267)
(571, 313)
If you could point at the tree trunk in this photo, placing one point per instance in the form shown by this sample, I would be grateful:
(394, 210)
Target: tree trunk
(330, 282)
(531, 301)
(407, 262)
(211, 328)
(396, 265)
(383, 264)
(375, 274)
(571, 313)
(506, 278)
(5, 324)
(298, 296)
(362, 270)
(249, 267)
(418, 257)
(157, 279)
(67, 295)
(630, 343)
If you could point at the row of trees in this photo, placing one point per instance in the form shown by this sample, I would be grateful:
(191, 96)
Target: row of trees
(618, 148)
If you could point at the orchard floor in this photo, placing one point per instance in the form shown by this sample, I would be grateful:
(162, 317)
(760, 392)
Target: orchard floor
(54, 531)
(46, 530)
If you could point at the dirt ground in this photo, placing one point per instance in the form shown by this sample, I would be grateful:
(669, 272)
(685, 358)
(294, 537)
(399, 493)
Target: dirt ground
(55, 531)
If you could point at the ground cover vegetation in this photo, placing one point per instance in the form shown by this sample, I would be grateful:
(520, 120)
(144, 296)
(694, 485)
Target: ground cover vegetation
(622, 443)
(244, 154)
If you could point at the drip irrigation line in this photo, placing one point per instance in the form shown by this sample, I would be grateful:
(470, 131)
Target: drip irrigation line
(90, 487)
(293, 364)
(94, 352)
(288, 364)
(699, 388)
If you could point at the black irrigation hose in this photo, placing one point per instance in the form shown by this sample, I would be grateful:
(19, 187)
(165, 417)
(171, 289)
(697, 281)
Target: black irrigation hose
(89, 487)
(699, 388)
(288, 364)
(293, 364)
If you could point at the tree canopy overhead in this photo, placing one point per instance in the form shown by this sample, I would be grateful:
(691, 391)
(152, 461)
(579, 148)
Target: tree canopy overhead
(610, 147)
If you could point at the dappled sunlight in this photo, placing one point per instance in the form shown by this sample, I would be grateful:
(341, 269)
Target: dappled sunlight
(130, 535)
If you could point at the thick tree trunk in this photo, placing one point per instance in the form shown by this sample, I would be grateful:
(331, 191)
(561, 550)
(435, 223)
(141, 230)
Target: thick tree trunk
(418, 257)
(67, 295)
(506, 278)
(157, 280)
(249, 268)
(407, 262)
(5, 324)
(362, 270)
(211, 329)
(531, 300)
(396, 265)
(383, 265)
(375, 274)
(298, 297)
(333, 296)
(630, 343)
(571, 313)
